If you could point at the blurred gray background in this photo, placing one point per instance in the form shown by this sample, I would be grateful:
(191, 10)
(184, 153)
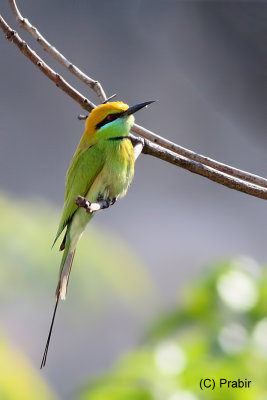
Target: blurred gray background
(205, 62)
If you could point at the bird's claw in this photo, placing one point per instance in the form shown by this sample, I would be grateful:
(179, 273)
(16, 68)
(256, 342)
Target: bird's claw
(84, 203)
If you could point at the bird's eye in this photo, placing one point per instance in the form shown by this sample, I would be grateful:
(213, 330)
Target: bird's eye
(109, 118)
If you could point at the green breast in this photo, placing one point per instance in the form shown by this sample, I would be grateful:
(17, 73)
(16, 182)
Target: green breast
(119, 165)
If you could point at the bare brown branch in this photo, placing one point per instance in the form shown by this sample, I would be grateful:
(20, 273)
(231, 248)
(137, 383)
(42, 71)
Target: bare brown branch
(227, 169)
(59, 57)
(156, 145)
(204, 170)
(60, 82)
(96, 86)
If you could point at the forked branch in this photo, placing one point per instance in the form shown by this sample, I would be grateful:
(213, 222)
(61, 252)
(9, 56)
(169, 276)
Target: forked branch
(98, 89)
(59, 57)
(153, 144)
(60, 82)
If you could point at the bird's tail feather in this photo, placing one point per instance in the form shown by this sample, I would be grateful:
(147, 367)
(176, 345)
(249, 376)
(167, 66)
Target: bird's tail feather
(49, 335)
(61, 291)
(65, 274)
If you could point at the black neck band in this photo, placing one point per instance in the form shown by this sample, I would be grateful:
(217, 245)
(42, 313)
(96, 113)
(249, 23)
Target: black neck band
(119, 138)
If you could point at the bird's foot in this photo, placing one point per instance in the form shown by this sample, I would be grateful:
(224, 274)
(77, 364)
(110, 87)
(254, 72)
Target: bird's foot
(84, 203)
(93, 207)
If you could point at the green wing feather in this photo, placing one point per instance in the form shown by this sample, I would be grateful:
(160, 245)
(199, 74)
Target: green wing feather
(84, 168)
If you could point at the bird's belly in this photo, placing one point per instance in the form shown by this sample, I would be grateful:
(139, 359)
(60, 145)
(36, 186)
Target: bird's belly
(116, 175)
(112, 182)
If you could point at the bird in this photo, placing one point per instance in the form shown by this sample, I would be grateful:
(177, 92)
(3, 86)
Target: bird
(101, 171)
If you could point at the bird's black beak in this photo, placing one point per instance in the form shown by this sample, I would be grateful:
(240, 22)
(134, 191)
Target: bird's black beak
(137, 107)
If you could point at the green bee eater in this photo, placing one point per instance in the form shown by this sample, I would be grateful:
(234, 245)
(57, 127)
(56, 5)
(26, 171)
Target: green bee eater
(100, 172)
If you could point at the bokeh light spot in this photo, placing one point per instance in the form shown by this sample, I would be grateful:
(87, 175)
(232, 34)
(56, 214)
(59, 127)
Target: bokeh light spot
(238, 290)
(170, 358)
(183, 395)
(233, 338)
(260, 337)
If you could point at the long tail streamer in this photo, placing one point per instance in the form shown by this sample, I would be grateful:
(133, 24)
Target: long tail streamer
(49, 334)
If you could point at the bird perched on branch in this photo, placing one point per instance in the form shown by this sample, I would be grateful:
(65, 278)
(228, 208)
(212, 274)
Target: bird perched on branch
(100, 172)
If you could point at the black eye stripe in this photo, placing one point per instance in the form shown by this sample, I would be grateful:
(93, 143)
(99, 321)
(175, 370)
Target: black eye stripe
(109, 118)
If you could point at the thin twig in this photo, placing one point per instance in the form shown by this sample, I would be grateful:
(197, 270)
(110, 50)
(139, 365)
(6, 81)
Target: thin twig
(97, 87)
(60, 82)
(33, 31)
(149, 147)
